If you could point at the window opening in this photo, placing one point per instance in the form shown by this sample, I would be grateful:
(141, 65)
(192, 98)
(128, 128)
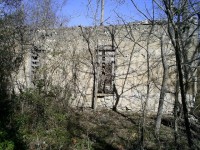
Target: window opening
(36, 55)
(106, 61)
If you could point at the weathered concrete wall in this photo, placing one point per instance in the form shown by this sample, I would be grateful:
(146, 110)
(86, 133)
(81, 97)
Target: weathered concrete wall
(67, 55)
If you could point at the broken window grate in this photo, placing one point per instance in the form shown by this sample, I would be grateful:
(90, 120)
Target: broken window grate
(36, 56)
(106, 61)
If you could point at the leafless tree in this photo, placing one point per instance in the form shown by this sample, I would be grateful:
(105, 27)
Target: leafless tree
(182, 32)
(87, 34)
(163, 86)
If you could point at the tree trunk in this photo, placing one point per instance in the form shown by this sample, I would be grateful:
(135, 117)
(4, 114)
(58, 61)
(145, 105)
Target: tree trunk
(117, 97)
(176, 112)
(102, 12)
(175, 39)
(95, 87)
(163, 88)
(183, 96)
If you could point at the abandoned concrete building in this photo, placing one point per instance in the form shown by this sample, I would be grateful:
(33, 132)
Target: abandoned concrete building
(104, 62)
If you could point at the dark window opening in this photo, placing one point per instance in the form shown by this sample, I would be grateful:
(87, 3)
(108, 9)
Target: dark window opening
(36, 56)
(106, 61)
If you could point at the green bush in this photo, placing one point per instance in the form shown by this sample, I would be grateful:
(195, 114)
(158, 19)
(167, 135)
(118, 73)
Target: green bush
(43, 118)
(5, 142)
